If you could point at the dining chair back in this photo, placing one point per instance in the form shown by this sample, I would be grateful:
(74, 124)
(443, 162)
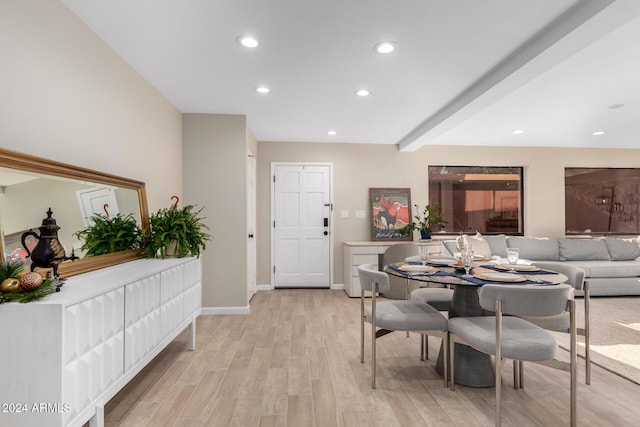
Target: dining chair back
(399, 288)
(393, 315)
(576, 278)
(512, 337)
(438, 297)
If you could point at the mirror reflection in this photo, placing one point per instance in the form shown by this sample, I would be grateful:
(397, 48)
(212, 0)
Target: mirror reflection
(30, 185)
(27, 196)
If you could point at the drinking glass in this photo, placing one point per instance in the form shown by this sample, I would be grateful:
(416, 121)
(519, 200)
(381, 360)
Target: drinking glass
(424, 253)
(513, 254)
(461, 244)
(435, 250)
(467, 261)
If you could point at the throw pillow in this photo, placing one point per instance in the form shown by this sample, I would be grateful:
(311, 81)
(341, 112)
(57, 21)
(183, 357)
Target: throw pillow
(479, 245)
(622, 249)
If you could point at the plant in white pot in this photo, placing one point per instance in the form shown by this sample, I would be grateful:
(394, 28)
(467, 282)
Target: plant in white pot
(177, 232)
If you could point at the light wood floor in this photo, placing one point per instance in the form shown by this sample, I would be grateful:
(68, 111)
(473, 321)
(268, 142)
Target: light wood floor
(295, 361)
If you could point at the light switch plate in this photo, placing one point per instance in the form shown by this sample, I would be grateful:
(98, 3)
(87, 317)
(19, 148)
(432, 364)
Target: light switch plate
(360, 214)
(344, 213)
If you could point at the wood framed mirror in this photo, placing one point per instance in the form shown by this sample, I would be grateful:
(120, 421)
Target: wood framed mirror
(29, 185)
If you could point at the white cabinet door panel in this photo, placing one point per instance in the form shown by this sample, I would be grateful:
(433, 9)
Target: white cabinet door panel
(142, 319)
(93, 340)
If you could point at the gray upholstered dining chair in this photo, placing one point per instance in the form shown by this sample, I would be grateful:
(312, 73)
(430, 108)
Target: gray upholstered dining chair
(394, 315)
(436, 295)
(512, 337)
(561, 323)
(399, 288)
(438, 298)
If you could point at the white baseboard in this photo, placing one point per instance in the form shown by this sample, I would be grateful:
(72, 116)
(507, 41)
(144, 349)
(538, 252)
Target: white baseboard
(245, 310)
(268, 287)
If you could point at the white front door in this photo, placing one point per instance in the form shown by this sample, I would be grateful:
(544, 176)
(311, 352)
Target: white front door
(302, 223)
(251, 226)
(98, 200)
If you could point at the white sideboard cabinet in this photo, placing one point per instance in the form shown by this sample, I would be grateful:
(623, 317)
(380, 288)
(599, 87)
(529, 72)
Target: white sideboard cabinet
(64, 357)
(356, 254)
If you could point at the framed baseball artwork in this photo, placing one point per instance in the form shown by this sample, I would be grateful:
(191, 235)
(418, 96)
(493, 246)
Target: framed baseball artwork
(390, 213)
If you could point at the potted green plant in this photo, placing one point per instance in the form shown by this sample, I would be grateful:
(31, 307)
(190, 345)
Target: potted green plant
(177, 232)
(425, 222)
(108, 234)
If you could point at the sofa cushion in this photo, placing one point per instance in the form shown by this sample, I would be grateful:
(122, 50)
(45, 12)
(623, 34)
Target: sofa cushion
(583, 250)
(608, 269)
(534, 248)
(622, 249)
(604, 286)
(450, 246)
(498, 244)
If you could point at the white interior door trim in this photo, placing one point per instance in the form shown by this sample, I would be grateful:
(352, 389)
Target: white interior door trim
(251, 227)
(274, 165)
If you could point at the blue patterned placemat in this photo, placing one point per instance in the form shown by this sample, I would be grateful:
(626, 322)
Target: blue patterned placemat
(410, 274)
(481, 282)
(493, 267)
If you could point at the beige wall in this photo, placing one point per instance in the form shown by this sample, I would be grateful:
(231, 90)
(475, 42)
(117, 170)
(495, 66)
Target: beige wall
(358, 167)
(65, 95)
(215, 176)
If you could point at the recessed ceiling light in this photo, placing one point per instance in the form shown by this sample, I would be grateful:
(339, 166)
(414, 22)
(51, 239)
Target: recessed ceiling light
(262, 89)
(518, 131)
(598, 133)
(331, 132)
(615, 106)
(384, 47)
(362, 92)
(247, 41)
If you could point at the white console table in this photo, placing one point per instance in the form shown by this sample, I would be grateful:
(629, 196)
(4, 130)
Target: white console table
(358, 253)
(64, 357)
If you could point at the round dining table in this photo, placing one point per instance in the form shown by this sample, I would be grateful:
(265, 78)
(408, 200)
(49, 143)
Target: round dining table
(472, 368)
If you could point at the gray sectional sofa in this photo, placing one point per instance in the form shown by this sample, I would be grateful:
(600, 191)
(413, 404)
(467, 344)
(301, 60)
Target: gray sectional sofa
(611, 265)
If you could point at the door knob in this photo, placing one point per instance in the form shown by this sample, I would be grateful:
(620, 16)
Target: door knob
(326, 233)
(251, 236)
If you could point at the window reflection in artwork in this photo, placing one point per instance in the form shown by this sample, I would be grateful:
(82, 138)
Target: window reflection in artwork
(601, 200)
(478, 198)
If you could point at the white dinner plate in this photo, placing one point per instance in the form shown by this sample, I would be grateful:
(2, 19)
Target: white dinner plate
(500, 277)
(518, 267)
(417, 268)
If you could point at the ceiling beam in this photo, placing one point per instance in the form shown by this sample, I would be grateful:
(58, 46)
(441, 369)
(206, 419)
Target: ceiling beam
(580, 26)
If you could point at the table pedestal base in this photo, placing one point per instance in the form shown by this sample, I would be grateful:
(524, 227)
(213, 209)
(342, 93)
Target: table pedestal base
(473, 368)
